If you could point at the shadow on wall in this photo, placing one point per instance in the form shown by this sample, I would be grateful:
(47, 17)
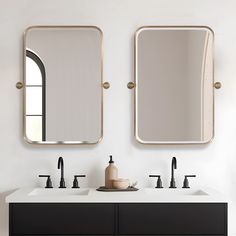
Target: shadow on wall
(4, 213)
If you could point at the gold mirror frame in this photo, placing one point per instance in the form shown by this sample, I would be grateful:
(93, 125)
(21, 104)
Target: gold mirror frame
(21, 85)
(134, 86)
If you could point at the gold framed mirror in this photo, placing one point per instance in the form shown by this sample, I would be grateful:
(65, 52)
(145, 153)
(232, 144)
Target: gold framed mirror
(63, 85)
(174, 85)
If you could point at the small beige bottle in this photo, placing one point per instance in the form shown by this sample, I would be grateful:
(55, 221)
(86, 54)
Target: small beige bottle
(111, 173)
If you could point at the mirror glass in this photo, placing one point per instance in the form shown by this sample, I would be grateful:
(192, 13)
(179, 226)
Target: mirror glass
(174, 85)
(63, 85)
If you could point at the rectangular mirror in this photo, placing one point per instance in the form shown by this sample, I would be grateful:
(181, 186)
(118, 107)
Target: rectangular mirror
(174, 85)
(63, 85)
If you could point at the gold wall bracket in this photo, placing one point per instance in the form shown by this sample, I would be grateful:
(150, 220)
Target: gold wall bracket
(217, 85)
(19, 85)
(106, 85)
(130, 85)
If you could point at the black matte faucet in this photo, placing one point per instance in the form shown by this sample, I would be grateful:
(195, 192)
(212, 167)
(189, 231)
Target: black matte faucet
(173, 166)
(61, 166)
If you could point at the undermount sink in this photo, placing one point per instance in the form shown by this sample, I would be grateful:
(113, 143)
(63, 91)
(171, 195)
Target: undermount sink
(176, 192)
(58, 192)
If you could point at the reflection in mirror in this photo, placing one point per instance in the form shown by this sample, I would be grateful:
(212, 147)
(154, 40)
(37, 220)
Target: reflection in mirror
(174, 85)
(35, 90)
(63, 85)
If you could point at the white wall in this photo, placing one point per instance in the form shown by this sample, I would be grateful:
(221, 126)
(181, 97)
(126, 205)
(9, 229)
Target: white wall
(20, 163)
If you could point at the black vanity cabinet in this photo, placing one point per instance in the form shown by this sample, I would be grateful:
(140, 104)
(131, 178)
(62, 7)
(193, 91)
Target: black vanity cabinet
(173, 219)
(62, 219)
(44, 219)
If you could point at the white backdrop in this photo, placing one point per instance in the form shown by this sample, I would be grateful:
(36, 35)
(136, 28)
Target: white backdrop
(20, 163)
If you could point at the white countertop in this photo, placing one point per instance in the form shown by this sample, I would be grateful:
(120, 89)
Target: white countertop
(90, 195)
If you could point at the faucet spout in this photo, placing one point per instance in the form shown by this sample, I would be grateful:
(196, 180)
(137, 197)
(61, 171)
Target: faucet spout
(60, 165)
(173, 167)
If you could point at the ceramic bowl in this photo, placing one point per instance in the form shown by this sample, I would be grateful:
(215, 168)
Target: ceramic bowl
(120, 183)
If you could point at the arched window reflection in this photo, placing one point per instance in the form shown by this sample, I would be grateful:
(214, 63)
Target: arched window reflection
(35, 90)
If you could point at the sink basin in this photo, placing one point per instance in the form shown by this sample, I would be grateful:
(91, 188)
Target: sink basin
(58, 192)
(176, 192)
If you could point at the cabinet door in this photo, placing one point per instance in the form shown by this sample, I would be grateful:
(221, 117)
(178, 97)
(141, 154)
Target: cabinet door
(61, 219)
(172, 219)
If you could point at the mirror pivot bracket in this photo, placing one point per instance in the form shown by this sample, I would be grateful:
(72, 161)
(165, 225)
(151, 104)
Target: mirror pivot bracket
(130, 85)
(217, 85)
(19, 85)
(106, 85)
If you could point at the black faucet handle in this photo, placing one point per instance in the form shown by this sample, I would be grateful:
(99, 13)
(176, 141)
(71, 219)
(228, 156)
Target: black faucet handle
(159, 182)
(186, 182)
(49, 181)
(75, 182)
(79, 176)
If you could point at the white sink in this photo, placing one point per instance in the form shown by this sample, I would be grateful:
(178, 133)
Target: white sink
(47, 192)
(176, 192)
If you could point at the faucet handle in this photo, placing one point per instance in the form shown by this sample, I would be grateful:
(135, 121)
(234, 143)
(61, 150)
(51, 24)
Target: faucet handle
(49, 181)
(186, 182)
(75, 182)
(159, 182)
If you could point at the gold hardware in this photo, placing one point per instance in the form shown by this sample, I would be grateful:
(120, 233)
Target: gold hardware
(217, 85)
(130, 85)
(19, 85)
(106, 85)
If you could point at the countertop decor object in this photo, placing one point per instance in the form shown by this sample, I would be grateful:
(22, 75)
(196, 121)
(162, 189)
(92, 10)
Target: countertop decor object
(104, 189)
(120, 183)
(111, 173)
